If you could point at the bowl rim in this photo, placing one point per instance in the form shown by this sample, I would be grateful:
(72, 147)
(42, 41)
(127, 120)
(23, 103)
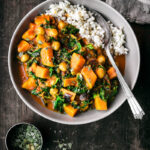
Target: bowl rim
(49, 117)
(21, 123)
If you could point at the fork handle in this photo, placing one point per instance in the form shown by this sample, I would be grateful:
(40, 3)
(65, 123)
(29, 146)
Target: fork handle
(136, 109)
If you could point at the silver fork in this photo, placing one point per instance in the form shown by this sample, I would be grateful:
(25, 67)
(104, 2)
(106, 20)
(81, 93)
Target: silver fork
(136, 109)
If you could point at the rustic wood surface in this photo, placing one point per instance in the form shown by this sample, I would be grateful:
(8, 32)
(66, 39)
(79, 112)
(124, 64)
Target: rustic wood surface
(119, 131)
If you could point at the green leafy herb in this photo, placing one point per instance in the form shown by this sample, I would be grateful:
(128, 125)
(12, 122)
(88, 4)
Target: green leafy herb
(64, 54)
(78, 46)
(71, 43)
(90, 46)
(31, 61)
(81, 88)
(74, 44)
(34, 92)
(47, 22)
(51, 39)
(32, 75)
(34, 53)
(58, 103)
(76, 106)
(87, 102)
(70, 29)
(102, 94)
(101, 66)
(26, 137)
(42, 80)
(51, 70)
(46, 91)
(95, 95)
(49, 26)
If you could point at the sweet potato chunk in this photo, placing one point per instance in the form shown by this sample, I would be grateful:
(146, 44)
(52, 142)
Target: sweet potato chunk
(33, 67)
(32, 26)
(70, 110)
(99, 103)
(23, 46)
(29, 84)
(51, 81)
(44, 45)
(40, 39)
(70, 82)
(89, 76)
(41, 19)
(42, 72)
(29, 35)
(51, 32)
(39, 30)
(72, 94)
(47, 57)
(112, 73)
(77, 62)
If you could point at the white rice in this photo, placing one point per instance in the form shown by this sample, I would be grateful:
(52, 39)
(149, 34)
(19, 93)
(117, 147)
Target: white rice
(118, 40)
(88, 28)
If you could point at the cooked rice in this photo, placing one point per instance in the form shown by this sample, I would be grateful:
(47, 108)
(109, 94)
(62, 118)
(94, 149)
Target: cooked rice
(85, 21)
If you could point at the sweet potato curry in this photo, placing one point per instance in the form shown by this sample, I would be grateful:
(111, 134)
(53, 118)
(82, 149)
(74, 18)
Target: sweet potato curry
(63, 71)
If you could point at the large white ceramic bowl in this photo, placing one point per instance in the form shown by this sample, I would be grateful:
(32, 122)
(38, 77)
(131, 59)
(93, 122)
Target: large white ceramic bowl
(131, 69)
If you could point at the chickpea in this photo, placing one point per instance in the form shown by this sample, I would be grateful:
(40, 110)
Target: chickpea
(24, 57)
(63, 66)
(53, 91)
(101, 59)
(56, 45)
(39, 30)
(58, 70)
(52, 32)
(100, 72)
(61, 25)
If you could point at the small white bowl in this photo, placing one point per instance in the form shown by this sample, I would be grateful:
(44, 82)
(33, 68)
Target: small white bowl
(131, 69)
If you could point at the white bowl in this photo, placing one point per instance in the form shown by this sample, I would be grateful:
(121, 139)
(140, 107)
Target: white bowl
(131, 69)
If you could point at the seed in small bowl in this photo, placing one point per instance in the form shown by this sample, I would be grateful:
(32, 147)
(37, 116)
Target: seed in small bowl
(24, 136)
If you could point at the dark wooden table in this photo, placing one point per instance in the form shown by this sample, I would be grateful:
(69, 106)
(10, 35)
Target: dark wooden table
(119, 131)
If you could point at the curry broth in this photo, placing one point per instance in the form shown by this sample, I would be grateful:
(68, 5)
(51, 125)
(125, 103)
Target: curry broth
(23, 76)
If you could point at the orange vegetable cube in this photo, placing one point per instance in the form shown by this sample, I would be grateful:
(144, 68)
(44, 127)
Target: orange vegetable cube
(40, 39)
(70, 82)
(39, 30)
(99, 103)
(70, 110)
(23, 46)
(77, 62)
(112, 73)
(29, 35)
(41, 19)
(51, 81)
(32, 26)
(29, 84)
(44, 45)
(89, 76)
(33, 67)
(47, 57)
(42, 72)
(51, 32)
(72, 94)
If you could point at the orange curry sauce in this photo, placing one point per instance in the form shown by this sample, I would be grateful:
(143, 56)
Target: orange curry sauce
(22, 74)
